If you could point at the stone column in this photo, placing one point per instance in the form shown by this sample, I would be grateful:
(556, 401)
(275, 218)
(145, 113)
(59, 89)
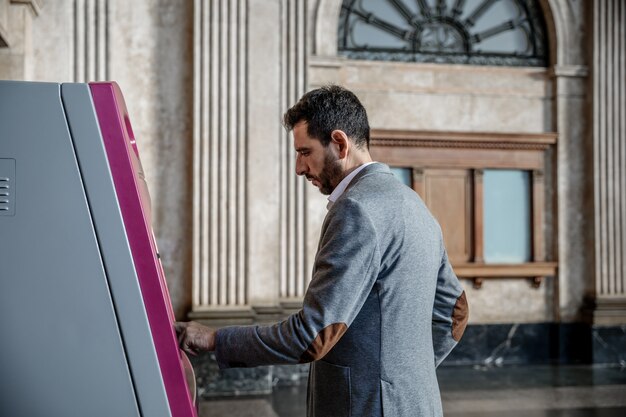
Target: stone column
(91, 40)
(571, 245)
(249, 256)
(220, 126)
(609, 149)
(294, 273)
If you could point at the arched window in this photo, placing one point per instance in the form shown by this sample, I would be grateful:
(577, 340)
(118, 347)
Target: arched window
(482, 32)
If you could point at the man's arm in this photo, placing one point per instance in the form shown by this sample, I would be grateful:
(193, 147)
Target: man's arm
(450, 311)
(345, 270)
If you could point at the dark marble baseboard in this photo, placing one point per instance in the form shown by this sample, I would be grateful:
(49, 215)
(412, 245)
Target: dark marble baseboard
(540, 343)
(213, 382)
(514, 344)
(490, 345)
(609, 344)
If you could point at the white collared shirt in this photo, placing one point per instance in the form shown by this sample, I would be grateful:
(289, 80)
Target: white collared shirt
(341, 187)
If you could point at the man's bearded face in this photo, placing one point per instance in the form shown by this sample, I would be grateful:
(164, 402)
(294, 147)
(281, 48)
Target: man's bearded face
(330, 174)
(318, 163)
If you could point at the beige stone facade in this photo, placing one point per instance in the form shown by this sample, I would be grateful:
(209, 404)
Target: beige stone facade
(206, 83)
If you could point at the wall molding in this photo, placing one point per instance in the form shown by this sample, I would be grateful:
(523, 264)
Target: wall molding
(33, 5)
(471, 140)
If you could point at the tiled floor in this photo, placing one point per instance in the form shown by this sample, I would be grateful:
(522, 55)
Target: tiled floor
(530, 391)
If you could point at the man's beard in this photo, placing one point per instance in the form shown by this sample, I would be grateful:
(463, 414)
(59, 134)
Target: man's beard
(331, 174)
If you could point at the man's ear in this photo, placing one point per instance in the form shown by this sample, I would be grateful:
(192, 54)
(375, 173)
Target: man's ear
(341, 142)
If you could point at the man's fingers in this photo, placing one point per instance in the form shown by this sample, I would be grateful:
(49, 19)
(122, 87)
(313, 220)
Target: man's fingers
(189, 350)
(185, 340)
(179, 326)
(193, 337)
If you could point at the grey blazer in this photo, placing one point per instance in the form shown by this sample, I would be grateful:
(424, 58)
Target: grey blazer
(383, 308)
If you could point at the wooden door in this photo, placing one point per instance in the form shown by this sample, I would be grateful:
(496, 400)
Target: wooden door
(448, 195)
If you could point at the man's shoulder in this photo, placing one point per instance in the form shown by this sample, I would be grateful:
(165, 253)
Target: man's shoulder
(374, 196)
(373, 176)
(376, 185)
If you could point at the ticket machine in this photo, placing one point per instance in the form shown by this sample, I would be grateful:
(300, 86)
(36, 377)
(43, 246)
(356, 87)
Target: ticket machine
(86, 322)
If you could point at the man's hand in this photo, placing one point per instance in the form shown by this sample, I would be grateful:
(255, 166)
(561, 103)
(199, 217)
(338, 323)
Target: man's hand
(194, 338)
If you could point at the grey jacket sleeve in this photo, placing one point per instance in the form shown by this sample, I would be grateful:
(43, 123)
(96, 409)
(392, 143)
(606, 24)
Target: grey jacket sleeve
(450, 311)
(345, 270)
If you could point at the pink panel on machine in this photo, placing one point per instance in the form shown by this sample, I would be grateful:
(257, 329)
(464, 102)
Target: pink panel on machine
(134, 201)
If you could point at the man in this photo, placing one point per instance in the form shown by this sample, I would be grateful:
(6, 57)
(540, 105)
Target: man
(384, 307)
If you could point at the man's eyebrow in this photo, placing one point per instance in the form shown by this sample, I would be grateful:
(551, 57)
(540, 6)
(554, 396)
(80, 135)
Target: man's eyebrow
(302, 148)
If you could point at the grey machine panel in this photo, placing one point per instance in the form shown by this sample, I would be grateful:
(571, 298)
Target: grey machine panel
(61, 353)
(115, 250)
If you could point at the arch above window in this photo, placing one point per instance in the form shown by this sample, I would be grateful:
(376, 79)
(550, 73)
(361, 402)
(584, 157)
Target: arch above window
(479, 32)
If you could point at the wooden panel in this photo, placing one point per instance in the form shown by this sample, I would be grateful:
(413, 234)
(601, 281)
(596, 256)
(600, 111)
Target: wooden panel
(447, 193)
(535, 271)
(479, 234)
(447, 173)
(537, 216)
(467, 139)
(458, 158)
(526, 270)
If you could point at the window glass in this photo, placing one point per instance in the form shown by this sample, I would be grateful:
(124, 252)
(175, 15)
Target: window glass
(483, 32)
(403, 174)
(507, 216)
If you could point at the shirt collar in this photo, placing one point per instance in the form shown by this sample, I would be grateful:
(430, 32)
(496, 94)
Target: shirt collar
(341, 187)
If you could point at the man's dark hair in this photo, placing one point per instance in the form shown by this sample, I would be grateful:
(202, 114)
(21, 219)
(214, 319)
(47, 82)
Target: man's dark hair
(330, 108)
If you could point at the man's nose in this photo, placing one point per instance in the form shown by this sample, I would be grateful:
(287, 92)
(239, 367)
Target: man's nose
(300, 166)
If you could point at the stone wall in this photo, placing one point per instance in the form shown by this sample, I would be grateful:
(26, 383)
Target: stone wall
(206, 83)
